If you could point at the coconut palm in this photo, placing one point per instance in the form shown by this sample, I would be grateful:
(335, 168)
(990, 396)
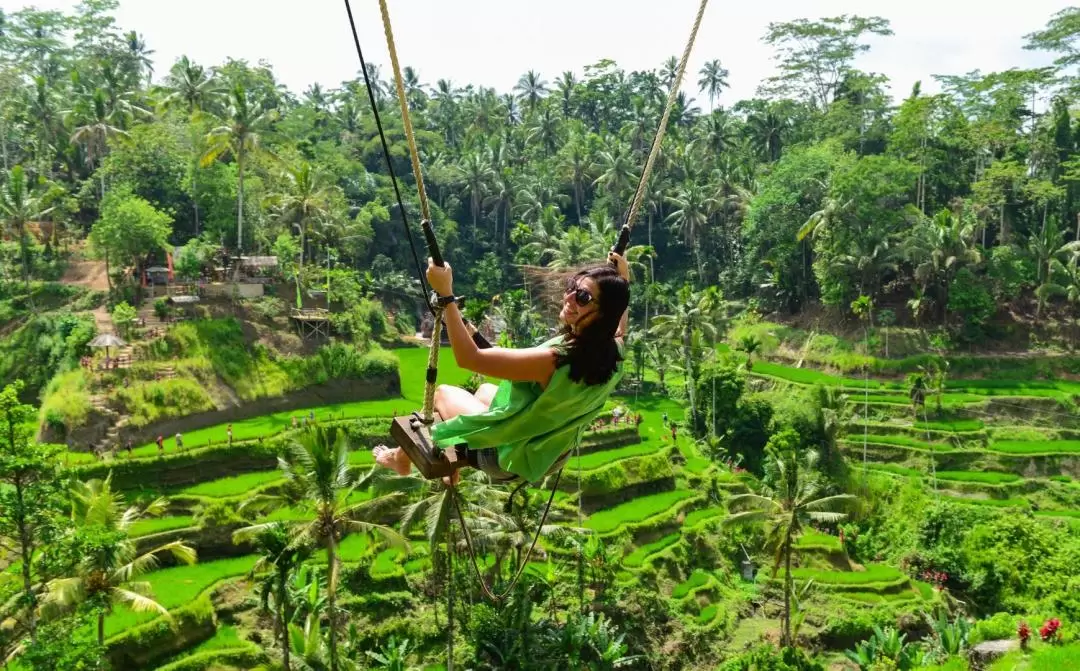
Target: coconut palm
(239, 135)
(618, 173)
(109, 563)
(279, 561)
(695, 318)
(939, 248)
(532, 88)
(668, 71)
(97, 122)
(475, 175)
(693, 209)
(784, 507)
(713, 80)
(306, 198)
(316, 463)
(767, 130)
(18, 207)
(138, 56)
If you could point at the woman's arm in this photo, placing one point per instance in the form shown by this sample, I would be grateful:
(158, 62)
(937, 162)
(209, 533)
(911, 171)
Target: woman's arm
(533, 364)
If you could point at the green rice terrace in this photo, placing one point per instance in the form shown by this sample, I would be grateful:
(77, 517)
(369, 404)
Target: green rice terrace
(834, 424)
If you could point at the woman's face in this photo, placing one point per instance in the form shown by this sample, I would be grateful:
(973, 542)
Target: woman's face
(580, 305)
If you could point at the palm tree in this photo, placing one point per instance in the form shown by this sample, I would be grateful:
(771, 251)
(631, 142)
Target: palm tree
(577, 165)
(532, 88)
(1063, 280)
(19, 206)
(573, 248)
(306, 198)
(138, 56)
(784, 507)
(280, 558)
(239, 135)
(108, 560)
(565, 85)
(939, 249)
(694, 320)
(668, 71)
(316, 463)
(98, 122)
(713, 80)
(767, 130)
(749, 344)
(694, 207)
(476, 174)
(618, 173)
(190, 87)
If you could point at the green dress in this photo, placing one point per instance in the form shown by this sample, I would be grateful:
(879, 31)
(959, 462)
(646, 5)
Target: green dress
(529, 426)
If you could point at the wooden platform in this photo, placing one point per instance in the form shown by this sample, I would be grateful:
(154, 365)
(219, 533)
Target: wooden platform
(311, 322)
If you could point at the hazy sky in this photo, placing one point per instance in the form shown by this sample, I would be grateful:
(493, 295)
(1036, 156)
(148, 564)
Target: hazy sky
(492, 42)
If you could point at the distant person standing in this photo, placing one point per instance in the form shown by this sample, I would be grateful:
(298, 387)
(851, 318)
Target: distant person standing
(294, 422)
(160, 445)
(674, 432)
(127, 445)
(179, 441)
(228, 432)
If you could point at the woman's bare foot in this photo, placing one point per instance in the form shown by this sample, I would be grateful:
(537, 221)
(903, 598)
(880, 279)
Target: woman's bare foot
(393, 458)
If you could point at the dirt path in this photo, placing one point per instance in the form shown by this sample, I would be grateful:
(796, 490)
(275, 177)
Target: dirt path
(87, 273)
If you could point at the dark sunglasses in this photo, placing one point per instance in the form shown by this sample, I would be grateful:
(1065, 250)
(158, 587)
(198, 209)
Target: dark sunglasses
(581, 296)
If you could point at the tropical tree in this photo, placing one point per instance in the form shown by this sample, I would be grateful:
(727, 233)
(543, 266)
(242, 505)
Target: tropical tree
(18, 207)
(193, 89)
(939, 249)
(30, 497)
(96, 123)
(316, 464)
(239, 134)
(304, 198)
(109, 563)
(693, 210)
(713, 80)
(476, 175)
(532, 88)
(694, 321)
(279, 560)
(788, 501)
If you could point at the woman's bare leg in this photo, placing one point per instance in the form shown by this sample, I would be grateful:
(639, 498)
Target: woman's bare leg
(486, 393)
(450, 402)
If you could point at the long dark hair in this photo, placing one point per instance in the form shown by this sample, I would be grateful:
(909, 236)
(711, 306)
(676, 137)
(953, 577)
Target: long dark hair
(592, 353)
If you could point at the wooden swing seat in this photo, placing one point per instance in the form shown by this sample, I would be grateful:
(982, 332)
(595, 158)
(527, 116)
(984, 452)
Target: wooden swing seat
(414, 436)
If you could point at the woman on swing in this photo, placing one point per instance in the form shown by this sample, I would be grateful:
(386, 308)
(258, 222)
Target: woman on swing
(550, 393)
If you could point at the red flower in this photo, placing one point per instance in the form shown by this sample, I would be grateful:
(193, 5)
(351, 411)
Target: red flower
(1024, 632)
(1049, 631)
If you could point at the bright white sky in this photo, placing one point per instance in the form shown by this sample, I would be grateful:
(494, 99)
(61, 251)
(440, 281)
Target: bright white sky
(492, 42)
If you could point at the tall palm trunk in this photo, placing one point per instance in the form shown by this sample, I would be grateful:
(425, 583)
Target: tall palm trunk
(26, 550)
(24, 251)
(240, 204)
(788, 583)
(450, 600)
(331, 599)
(101, 628)
(282, 619)
(687, 356)
(195, 195)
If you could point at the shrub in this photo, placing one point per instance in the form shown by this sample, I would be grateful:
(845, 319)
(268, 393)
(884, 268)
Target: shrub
(124, 316)
(969, 297)
(161, 308)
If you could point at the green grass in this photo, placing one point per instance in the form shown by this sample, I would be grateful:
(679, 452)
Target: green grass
(156, 525)
(697, 579)
(707, 614)
(178, 585)
(638, 510)
(227, 636)
(234, 485)
(1036, 446)
(638, 556)
(412, 364)
(993, 503)
(896, 470)
(875, 598)
(1042, 658)
(1075, 514)
(958, 425)
(984, 477)
(1061, 478)
(874, 573)
(812, 376)
(855, 436)
(698, 516)
(595, 460)
(926, 590)
(817, 540)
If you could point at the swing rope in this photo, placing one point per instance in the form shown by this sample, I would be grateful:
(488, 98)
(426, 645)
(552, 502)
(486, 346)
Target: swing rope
(673, 94)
